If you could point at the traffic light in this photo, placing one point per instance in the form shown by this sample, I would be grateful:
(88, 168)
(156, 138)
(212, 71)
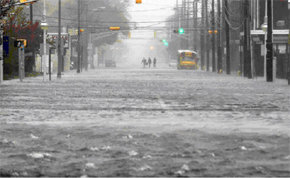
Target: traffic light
(138, 1)
(175, 31)
(20, 43)
(129, 35)
(165, 42)
(155, 34)
(27, 2)
(114, 28)
(181, 31)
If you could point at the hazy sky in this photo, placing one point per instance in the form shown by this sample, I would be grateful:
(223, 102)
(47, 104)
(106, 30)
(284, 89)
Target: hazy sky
(151, 11)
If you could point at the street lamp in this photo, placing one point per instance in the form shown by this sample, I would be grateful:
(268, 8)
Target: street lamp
(44, 26)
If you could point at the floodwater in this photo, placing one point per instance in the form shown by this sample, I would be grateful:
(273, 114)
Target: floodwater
(144, 122)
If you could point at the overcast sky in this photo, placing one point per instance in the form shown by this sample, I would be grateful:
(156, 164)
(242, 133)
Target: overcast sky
(150, 11)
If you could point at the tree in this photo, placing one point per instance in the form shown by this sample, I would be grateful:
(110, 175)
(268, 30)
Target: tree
(18, 27)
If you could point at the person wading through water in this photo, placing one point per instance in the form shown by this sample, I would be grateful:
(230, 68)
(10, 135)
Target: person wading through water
(149, 62)
(144, 62)
(154, 62)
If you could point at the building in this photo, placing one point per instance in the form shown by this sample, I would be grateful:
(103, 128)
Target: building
(281, 20)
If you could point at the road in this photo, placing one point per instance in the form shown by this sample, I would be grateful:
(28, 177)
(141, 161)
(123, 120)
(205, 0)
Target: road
(144, 122)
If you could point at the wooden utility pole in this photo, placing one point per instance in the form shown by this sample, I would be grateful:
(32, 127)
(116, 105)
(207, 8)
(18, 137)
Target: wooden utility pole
(187, 21)
(213, 36)
(219, 43)
(195, 10)
(194, 26)
(203, 32)
(269, 44)
(85, 44)
(227, 30)
(207, 35)
(79, 37)
(59, 51)
(247, 38)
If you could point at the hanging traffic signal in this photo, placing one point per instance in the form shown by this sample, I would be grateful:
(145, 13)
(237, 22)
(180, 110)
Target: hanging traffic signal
(129, 35)
(181, 31)
(27, 2)
(138, 1)
(165, 42)
(114, 28)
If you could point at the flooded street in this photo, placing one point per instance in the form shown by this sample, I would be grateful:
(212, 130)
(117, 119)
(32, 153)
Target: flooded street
(137, 122)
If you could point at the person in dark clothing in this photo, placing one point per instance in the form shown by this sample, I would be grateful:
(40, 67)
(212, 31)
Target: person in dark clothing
(144, 62)
(154, 62)
(149, 62)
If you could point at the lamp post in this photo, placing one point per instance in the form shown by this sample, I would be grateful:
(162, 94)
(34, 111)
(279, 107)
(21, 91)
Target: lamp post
(44, 26)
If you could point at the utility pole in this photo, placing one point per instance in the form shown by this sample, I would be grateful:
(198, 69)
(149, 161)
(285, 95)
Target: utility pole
(207, 35)
(44, 57)
(187, 21)
(182, 21)
(59, 51)
(194, 25)
(247, 38)
(178, 25)
(31, 13)
(195, 11)
(213, 36)
(79, 37)
(1, 54)
(269, 45)
(219, 33)
(227, 29)
(202, 36)
(85, 42)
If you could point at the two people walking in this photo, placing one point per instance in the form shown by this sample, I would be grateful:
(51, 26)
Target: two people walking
(149, 62)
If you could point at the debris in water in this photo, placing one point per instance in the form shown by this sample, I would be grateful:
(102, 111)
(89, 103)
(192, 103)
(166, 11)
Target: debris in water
(185, 167)
(106, 148)
(94, 149)
(212, 154)
(179, 172)
(39, 155)
(147, 157)
(145, 168)
(243, 148)
(84, 176)
(133, 153)
(34, 137)
(129, 137)
(90, 165)
(7, 142)
(287, 157)
(15, 174)
(68, 136)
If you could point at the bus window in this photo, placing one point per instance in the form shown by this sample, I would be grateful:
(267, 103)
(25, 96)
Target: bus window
(187, 58)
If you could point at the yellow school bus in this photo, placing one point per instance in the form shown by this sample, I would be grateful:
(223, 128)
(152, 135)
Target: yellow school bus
(187, 59)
